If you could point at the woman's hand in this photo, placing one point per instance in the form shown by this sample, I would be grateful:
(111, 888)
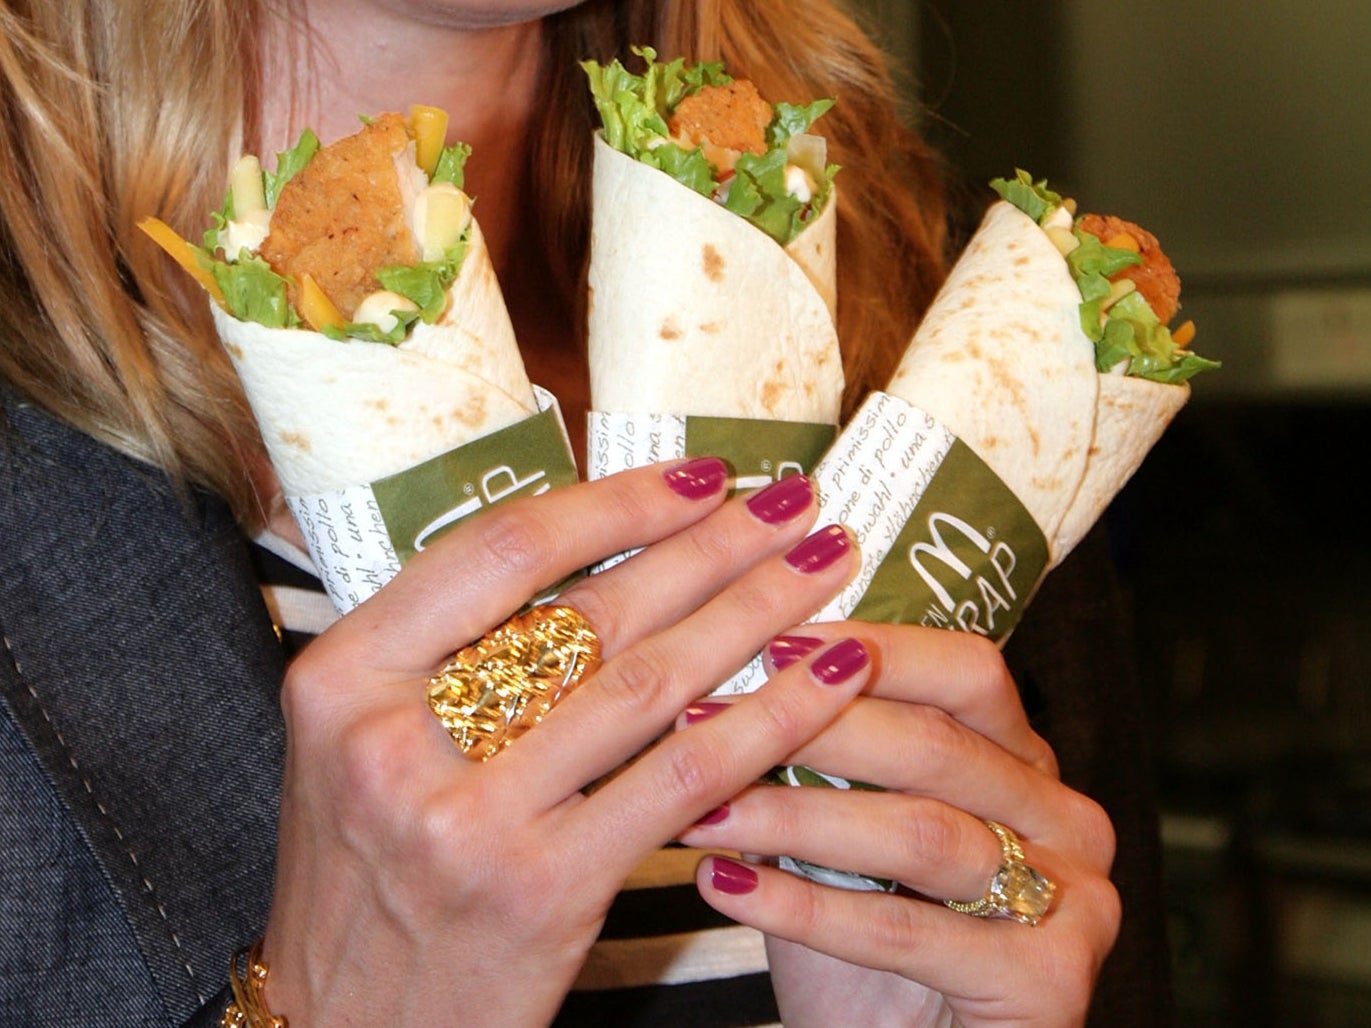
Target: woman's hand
(417, 887)
(941, 727)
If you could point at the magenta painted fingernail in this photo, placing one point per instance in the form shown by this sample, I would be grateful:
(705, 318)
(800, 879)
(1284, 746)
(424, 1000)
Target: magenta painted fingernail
(732, 877)
(702, 710)
(819, 549)
(840, 662)
(714, 816)
(697, 478)
(781, 500)
(785, 650)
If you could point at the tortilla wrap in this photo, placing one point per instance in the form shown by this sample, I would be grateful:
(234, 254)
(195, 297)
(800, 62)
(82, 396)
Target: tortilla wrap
(1001, 360)
(1000, 364)
(695, 312)
(337, 413)
(1131, 415)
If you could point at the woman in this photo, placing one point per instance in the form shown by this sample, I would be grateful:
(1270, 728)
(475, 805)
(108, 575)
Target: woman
(142, 730)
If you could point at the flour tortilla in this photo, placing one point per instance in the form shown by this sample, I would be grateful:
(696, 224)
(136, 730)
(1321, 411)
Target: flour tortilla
(693, 311)
(1001, 360)
(338, 413)
(1131, 416)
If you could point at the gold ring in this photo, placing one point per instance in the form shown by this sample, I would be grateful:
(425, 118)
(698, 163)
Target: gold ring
(1016, 891)
(491, 692)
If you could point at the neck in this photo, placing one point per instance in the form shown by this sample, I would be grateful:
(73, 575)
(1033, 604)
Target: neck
(376, 60)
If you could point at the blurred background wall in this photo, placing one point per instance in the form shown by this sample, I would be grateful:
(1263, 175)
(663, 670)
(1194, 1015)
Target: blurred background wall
(1239, 132)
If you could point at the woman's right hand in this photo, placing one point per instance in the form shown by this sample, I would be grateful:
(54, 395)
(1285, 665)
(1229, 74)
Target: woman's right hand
(417, 887)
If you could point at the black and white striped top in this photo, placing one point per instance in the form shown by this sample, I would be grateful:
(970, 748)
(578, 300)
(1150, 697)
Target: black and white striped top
(664, 957)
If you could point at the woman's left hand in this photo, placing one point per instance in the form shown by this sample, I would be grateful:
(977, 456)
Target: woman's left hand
(942, 730)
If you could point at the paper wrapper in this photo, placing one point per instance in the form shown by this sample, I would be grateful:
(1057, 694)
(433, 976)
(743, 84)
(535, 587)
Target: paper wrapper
(381, 448)
(705, 335)
(995, 448)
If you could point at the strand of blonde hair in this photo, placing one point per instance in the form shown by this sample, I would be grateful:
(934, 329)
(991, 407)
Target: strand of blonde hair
(138, 118)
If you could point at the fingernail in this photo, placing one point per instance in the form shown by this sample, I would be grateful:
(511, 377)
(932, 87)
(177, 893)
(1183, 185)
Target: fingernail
(781, 500)
(785, 650)
(702, 710)
(697, 478)
(714, 816)
(819, 549)
(840, 662)
(732, 877)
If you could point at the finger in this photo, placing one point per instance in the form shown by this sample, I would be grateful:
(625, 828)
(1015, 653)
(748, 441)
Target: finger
(634, 696)
(487, 567)
(927, 846)
(1055, 962)
(963, 674)
(660, 585)
(922, 750)
(692, 772)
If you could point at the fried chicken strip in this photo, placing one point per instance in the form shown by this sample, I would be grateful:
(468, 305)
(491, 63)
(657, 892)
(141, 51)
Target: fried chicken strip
(1155, 278)
(343, 216)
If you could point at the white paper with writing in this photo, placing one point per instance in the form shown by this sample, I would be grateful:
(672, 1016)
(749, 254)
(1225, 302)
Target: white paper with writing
(870, 480)
(617, 442)
(349, 543)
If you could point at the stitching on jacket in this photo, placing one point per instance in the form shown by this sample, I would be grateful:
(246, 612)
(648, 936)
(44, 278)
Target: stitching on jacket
(114, 826)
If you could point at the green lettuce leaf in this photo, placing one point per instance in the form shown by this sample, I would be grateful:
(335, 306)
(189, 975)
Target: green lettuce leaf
(451, 166)
(1033, 198)
(794, 120)
(1133, 336)
(687, 167)
(372, 333)
(1130, 335)
(633, 113)
(633, 108)
(218, 222)
(757, 192)
(253, 292)
(426, 283)
(288, 164)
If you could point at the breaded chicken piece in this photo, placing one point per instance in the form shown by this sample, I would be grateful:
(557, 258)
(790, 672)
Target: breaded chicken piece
(342, 216)
(1155, 278)
(724, 120)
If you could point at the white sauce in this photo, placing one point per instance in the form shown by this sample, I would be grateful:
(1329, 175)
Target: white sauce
(376, 309)
(798, 183)
(245, 234)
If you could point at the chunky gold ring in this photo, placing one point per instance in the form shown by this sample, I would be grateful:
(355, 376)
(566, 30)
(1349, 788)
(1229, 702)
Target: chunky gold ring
(490, 692)
(1016, 891)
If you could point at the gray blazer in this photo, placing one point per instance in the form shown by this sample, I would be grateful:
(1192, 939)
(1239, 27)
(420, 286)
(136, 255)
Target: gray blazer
(140, 738)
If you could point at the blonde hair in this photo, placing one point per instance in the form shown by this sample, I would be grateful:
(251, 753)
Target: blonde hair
(105, 119)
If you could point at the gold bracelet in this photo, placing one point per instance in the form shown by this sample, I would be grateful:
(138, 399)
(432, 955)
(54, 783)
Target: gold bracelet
(248, 976)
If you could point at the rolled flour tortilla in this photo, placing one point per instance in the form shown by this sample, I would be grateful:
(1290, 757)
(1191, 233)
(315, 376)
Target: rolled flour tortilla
(341, 412)
(379, 448)
(397, 403)
(1000, 359)
(695, 312)
(712, 271)
(405, 407)
(1130, 416)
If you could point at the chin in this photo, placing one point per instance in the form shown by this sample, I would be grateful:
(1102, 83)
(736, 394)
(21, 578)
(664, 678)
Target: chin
(483, 14)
